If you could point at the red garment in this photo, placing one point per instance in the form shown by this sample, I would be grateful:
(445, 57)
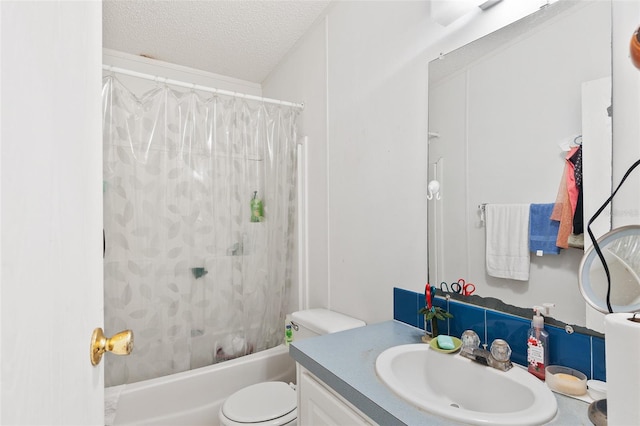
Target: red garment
(562, 213)
(572, 186)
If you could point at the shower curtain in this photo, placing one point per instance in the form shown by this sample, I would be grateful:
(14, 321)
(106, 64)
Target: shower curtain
(199, 208)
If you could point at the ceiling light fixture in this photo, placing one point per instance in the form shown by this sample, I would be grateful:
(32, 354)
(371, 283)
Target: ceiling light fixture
(444, 12)
(488, 4)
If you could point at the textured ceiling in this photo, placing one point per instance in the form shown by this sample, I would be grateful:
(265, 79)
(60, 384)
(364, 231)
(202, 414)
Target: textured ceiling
(244, 39)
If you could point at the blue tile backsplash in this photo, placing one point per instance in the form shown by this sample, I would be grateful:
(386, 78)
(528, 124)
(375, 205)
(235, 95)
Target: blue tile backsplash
(406, 307)
(510, 328)
(597, 358)
(580, 351)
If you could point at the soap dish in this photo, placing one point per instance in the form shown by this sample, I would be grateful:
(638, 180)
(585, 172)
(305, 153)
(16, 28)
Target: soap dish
(566, 380)
(456, 345)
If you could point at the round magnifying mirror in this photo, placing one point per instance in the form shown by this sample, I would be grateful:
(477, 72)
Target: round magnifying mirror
(621, 250)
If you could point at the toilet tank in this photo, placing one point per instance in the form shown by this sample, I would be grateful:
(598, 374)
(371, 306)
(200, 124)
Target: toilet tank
(316, 322)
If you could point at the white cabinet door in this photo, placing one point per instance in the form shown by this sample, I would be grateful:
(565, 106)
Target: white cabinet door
(50, 212)
(319, 406)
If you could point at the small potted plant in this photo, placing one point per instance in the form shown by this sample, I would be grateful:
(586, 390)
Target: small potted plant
(433, 313)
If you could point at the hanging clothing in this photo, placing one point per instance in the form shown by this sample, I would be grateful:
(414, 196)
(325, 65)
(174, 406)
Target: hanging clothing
(562, 213)
(571, 180)
(575, 159)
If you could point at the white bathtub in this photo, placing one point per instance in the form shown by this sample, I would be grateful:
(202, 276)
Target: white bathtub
(194, 397)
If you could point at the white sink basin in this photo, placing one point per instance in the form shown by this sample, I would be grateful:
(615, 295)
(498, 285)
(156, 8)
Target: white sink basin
(457, 388)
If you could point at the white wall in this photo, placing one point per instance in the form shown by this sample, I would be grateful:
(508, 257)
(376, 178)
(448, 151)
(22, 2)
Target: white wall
(302, 77)
(375, 75)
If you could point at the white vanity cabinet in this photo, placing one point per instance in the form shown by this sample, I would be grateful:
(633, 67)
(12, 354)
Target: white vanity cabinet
(319, 405)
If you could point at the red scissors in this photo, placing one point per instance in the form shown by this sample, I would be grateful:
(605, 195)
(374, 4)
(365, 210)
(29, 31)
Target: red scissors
(464, 288)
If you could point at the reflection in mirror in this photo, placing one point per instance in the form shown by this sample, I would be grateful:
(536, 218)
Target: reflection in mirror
(502, 111)
(621, 250)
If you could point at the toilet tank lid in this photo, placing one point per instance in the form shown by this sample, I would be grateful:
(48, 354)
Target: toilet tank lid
(324, 321)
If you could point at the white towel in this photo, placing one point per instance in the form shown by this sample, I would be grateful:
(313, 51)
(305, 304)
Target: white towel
(508, 241)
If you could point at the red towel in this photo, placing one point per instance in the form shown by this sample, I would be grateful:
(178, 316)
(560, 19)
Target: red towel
(562, 213)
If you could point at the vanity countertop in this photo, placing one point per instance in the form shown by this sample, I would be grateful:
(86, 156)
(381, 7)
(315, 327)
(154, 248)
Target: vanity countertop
(346, 362)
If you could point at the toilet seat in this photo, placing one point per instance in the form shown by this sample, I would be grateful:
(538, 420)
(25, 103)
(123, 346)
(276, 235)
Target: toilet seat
(272, 403)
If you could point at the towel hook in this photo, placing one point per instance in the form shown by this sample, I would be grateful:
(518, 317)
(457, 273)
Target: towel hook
(434, 190)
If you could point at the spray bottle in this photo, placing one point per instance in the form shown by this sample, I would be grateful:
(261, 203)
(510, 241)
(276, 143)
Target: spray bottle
(538, 342)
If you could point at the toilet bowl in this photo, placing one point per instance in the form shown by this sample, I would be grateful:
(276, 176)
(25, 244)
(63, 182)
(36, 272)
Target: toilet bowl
(275, 403)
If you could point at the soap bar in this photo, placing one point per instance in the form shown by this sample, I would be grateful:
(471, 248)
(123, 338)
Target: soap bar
(566, 380)
(445, 342)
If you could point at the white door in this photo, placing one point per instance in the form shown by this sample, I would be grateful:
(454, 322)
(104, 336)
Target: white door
(50, 212)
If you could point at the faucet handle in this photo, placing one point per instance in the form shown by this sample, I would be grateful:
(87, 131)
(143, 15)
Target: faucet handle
(470, 340)
(500, 350)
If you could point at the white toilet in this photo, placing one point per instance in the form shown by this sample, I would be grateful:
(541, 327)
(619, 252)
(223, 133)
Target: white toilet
(275, 403)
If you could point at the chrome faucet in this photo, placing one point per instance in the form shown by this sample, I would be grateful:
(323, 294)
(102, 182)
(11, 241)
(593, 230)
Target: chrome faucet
(498, 357)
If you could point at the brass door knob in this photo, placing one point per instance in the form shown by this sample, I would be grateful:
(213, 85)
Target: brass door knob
(119, 344)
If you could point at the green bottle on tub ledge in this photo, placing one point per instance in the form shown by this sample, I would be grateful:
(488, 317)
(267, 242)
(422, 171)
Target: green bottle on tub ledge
(257, 208)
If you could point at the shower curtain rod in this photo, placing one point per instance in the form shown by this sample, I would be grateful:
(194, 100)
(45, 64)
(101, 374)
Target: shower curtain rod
(198, 86)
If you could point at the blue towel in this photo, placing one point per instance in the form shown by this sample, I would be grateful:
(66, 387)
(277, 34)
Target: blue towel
(543, 232)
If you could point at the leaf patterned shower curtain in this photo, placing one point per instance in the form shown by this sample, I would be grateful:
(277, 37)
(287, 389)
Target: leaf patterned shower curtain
(185, 267)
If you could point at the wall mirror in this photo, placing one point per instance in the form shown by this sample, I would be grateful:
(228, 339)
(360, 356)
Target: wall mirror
(501, 112)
